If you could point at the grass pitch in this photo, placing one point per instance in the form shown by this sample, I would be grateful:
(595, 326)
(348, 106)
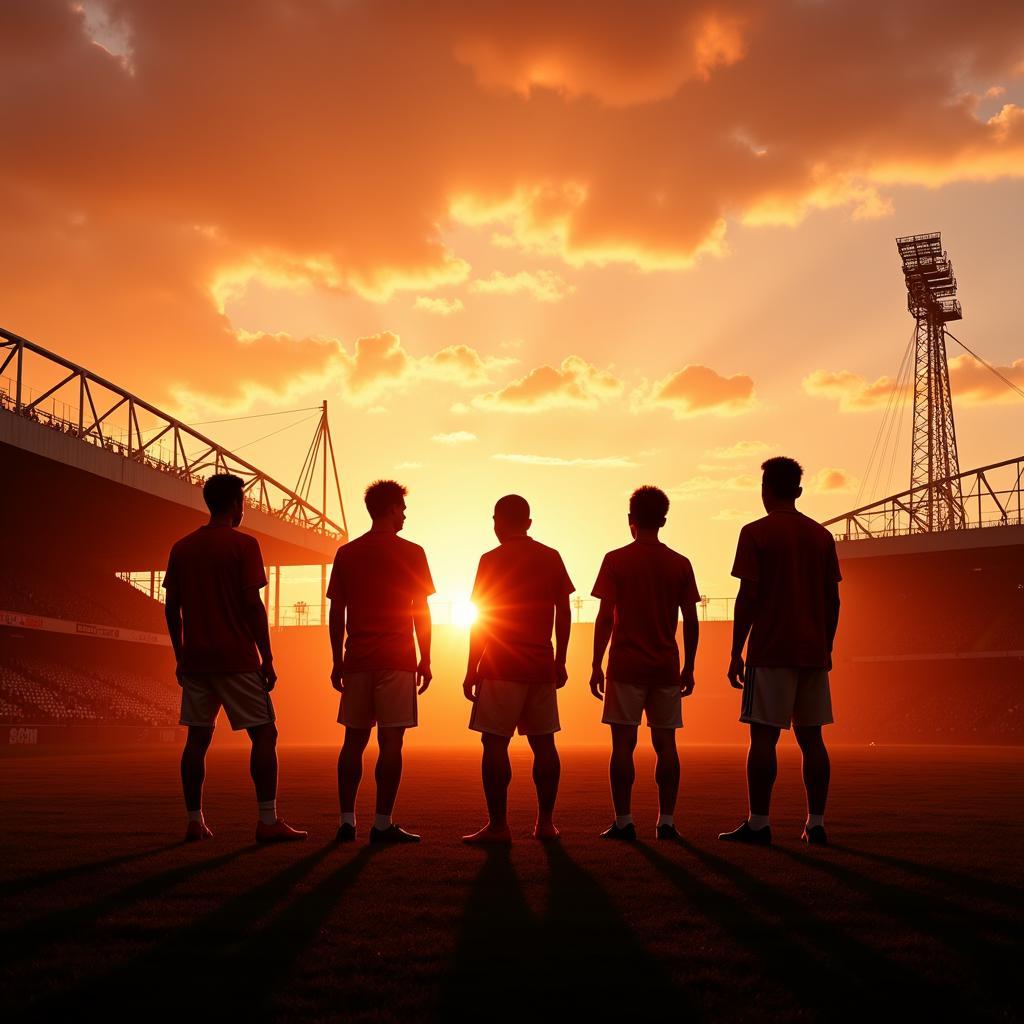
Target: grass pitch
(913, 912)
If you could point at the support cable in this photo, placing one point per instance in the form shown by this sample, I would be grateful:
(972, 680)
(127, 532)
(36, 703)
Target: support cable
(1006, 380)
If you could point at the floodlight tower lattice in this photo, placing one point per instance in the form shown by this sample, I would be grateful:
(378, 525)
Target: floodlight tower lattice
(936, 501)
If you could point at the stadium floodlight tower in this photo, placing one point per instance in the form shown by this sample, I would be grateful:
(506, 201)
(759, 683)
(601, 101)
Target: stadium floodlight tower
(935, 498)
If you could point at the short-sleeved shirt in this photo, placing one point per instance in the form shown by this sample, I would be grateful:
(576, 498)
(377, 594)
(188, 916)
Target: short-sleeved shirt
(793, 561)
(208, 572)
(377, 577)
(517, 587)
(647, 583)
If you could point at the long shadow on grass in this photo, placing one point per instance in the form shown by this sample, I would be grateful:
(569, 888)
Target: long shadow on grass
(598, 963)
(259, 971)
(16, 886)
(970, 886)
(69, 923)
(956, 927)
(823, 968)
(496, 947)
(580, 958)
(205, 967)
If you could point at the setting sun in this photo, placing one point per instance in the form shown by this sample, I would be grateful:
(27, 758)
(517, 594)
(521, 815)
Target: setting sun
(464, 612)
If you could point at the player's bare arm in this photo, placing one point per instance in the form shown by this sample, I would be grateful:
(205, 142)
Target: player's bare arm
(477, 643)
(832, 621)
(602, 635)
(336, 630)
(691, 637)
(256, 616)
(743, 619)
(563, 624)
(422, 624)
(172, 613)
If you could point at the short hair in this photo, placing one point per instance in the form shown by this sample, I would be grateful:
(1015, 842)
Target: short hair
(782, 476)
(648, 507)
(221, 491)
(514, 509)
(383, 495)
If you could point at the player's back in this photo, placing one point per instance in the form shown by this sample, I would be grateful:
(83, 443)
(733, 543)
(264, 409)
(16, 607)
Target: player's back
(208, 571)
(793, 560)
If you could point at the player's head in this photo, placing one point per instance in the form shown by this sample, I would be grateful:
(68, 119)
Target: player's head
(648, 509)
(780, 481)
(224, 495)
(385, 501)
(511, 516)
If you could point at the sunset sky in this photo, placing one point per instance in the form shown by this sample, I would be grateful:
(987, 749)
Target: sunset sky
(560, 248)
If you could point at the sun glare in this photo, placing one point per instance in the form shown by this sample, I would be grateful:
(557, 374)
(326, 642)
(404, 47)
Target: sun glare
(464, 612)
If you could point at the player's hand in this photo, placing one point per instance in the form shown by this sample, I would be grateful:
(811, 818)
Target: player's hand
(423, 675)
(736, 672)
(179, 674)
(686, 682)
(597, 682)
(269, 674)
(561, 674)
(337, 679)
(471, 687)
(828, 661)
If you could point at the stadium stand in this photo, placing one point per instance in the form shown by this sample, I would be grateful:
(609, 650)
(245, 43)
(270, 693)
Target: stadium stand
(39, 690)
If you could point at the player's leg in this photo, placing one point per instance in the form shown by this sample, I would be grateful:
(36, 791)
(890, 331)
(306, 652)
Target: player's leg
(769, 695)
(816, 771)
(388, 775)
(263, 761)
(193, 775)
(355, 713)
(762, 770)
(263, 768)
(547, 770)
(623, 710)
(350, 770)
(622, 774)
(812, 709)
(496, 770)
(666, 774)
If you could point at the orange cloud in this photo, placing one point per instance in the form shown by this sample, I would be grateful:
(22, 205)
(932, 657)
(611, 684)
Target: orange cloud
(851, 390)
(440, 306)
(832, 480)
(975, 384)
(740, 450)
(158, 176)
(695, 390)
(575, 384)
(382, 362)
(456, 437)
(703, 486)
(608, 462)
(542, 285)
(971, 382)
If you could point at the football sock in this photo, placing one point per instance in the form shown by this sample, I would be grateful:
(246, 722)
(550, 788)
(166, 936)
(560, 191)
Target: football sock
(758, 821)
(382, 822)
(814, 819)
(348, 818)
(195, 815)
(268, 811)
(666, 819)
(622, 820)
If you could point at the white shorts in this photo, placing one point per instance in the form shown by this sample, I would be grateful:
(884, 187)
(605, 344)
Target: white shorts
(786, 696)
(386, 699)
(243, 695)
(502, 706)
(625, 702)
